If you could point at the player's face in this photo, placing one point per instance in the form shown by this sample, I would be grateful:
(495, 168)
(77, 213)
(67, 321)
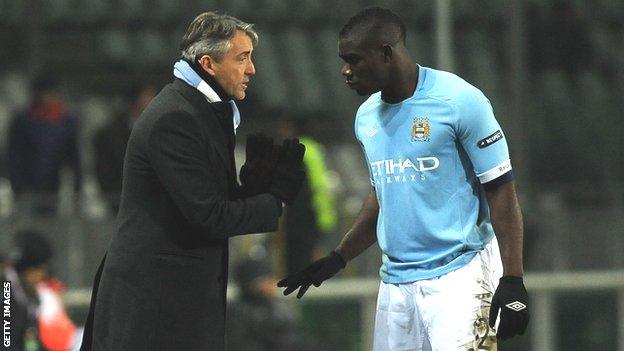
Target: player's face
(362, 67)
(235, 68)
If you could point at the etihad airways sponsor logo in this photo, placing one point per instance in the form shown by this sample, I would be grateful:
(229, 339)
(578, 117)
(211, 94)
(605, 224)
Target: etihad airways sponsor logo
(422, 164)
(403, 170)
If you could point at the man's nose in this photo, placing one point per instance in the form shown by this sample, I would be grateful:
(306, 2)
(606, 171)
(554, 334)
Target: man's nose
(345, 70)
(251, 69)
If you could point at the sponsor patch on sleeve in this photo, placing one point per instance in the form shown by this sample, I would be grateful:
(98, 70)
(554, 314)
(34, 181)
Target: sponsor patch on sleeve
(491, 139)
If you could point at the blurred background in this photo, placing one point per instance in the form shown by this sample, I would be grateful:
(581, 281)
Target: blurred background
(74, 74)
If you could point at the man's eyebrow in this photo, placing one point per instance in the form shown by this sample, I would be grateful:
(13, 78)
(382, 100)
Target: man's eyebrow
(246, 52)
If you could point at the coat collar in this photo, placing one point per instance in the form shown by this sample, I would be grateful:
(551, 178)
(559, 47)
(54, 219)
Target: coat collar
(194, 96)
(218, 113)
(210, 81)
(223, 109)
(196, 77)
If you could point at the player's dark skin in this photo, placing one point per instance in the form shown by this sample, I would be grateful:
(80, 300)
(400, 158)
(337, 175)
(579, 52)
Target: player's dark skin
(375, 59)
(372, 64)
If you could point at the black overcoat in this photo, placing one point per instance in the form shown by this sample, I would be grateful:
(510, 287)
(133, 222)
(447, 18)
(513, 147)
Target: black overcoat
(162, 285)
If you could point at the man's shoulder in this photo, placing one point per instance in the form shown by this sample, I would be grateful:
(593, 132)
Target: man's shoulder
(369, 104)
(439, 78)
(169, 102)
(451, 88)
(167, 99)
(167, 111)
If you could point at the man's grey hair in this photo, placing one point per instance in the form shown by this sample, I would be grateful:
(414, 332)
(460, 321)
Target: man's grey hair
(210, 34)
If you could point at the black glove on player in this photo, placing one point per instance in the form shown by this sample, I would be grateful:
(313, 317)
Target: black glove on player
(511, 299)
(315, 274)
(261, 157)
(289, 174)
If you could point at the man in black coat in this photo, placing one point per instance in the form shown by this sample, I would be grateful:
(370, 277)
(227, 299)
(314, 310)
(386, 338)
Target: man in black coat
(162, 284)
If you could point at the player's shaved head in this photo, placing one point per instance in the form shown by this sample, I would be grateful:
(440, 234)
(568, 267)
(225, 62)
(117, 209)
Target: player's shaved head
(372, 46)
(374, 26)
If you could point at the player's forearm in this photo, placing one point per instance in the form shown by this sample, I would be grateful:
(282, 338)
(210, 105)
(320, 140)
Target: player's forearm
(363, 233)
(507, 222)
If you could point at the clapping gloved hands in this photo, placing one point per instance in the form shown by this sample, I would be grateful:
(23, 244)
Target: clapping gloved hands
(261, 157)
(315, 274)
(271, 168)
(511, 299)
(289, 173)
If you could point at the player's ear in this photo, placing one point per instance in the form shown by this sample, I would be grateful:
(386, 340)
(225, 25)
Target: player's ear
(387, 52)
(207, 63)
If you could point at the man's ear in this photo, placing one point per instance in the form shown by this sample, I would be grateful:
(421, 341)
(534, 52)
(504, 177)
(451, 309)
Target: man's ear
(387, 52)
(207, 63)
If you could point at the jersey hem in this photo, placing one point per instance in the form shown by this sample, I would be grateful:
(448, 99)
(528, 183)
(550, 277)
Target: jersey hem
(456, 264)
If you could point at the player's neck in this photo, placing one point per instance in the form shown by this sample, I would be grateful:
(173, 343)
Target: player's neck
(402, 83)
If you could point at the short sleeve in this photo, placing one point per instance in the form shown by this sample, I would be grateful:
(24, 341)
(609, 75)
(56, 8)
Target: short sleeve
(482, 137)
(370, 171)
(359, 140)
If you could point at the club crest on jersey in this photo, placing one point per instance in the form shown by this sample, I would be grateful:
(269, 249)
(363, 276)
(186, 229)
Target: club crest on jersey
(421, 130)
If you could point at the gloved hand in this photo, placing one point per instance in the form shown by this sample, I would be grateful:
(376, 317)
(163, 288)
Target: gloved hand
(261, 157)
(315, 274)
(289, 174)
(511, 298)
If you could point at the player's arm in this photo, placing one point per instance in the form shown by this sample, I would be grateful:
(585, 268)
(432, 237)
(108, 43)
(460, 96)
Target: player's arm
(486, 146)
(510, 297)
(506, 218)
(359, 238)
(363, 233)
(484, 141)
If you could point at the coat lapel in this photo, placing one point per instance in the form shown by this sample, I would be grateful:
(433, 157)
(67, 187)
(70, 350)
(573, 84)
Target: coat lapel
(215, 114)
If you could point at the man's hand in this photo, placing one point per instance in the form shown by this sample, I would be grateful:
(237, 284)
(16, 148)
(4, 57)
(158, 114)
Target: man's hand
(289, 173)
(511, 299)
(314, 274)
(261, 157)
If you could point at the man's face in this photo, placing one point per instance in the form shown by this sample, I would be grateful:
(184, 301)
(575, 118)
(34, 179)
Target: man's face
(363, 67)
(235, 68)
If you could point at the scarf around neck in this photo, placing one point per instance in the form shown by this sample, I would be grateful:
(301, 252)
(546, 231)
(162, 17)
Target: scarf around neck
(184, 71)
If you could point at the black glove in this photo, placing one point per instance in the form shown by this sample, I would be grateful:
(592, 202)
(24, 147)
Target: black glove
(261, 157)
(289, 174)
(511, 298)
(315, 274)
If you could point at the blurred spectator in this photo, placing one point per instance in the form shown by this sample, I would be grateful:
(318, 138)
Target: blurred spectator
(314, 212)
(38, 319)
(257, 321)
(110, 145)
(42, 140)
(560, 40)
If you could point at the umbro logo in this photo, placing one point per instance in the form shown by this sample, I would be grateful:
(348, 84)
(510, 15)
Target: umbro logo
(371, 132)
(516, 306)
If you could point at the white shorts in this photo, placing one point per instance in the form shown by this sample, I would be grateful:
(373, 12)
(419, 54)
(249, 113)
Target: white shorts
(445, 313)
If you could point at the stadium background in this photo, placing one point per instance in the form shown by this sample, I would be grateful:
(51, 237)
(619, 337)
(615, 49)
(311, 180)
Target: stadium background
(553, 70)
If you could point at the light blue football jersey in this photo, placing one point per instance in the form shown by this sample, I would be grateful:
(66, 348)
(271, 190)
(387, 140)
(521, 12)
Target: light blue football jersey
(427, 156)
